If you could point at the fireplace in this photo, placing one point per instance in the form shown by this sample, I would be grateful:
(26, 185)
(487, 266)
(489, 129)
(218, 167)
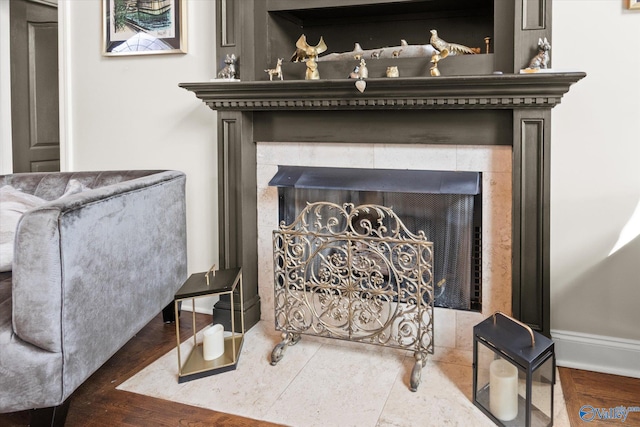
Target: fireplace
(481, 108)
(493, 163)
(444, 205)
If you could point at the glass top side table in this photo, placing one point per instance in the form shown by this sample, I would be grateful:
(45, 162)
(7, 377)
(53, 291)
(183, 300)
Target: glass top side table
(212, 282)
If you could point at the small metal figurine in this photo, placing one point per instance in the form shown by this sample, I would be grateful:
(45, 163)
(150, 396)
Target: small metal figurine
(541, 60)
(229, 70)
(392, 71)
(305, 51)
(363, 72)
(435, 58)
(452, 48)
(312, 69)
(356, 71)
(443, 49)
(360, 72)
(275, 71)
(309, 54)
(487, 42)
(357, 52)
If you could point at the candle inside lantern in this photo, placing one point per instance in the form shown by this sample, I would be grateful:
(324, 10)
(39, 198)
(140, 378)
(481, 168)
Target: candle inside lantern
(213, 342)
(503, 390)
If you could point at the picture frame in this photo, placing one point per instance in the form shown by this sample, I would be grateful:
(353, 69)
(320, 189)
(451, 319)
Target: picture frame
(634, 4)
(143, 27)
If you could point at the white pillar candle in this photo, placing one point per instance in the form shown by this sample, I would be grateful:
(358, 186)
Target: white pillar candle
(213, 342)
(503, 390)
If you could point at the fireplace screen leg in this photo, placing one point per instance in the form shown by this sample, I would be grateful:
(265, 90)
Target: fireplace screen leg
(416, 373)
(288, 338)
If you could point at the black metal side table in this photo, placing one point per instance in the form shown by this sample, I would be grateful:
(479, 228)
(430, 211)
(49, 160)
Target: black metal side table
(220, 282)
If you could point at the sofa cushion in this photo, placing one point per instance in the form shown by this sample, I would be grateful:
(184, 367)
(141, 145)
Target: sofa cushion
(13, 204)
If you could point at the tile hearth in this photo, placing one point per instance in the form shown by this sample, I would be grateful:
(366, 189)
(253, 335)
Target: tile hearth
(322, 382)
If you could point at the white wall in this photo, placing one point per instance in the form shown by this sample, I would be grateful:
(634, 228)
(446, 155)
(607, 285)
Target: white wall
(595, 187)
(129, 113)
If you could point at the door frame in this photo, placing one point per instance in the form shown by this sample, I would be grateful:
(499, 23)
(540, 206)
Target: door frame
(6, 150)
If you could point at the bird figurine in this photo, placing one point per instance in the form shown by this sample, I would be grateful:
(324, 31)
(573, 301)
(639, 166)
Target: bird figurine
(452, 48)
(304, 50)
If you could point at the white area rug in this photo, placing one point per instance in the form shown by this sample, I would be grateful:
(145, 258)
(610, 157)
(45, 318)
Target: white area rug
(323, 382)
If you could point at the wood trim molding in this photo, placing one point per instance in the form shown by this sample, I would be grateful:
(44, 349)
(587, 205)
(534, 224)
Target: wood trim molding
(509, 91)
(531, 195)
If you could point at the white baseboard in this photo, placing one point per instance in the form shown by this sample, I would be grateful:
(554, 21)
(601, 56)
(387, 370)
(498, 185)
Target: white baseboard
(597, 353)
(203, 305)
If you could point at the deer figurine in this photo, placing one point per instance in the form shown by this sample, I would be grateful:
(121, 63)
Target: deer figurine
(275, 71)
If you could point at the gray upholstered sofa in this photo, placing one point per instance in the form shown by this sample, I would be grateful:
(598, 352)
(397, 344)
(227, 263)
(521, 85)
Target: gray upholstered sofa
(89, 270)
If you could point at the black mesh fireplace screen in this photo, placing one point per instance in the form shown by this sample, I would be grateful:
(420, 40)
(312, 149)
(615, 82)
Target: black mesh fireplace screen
(451, 221)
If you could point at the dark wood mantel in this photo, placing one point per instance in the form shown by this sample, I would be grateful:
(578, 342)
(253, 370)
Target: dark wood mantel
(467, 105)
(393, 112)
(505, 91)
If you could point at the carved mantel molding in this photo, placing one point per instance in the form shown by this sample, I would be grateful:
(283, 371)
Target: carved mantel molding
(505, 91)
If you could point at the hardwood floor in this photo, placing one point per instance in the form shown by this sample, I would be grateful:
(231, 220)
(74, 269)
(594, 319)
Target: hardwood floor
(98, 403)
(599, 391)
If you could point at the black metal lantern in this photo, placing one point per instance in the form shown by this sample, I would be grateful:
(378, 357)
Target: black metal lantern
(513, 372)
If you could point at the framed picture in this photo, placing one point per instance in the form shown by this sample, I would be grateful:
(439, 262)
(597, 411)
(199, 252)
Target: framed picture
(634, 4)
(143, 27)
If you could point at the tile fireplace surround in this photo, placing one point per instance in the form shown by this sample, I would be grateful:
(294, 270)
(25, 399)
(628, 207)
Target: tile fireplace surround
(452, 328)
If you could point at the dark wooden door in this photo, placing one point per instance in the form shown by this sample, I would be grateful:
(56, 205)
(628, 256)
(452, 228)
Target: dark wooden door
(34, 87)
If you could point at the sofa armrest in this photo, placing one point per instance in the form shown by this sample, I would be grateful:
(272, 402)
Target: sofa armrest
(91, 269)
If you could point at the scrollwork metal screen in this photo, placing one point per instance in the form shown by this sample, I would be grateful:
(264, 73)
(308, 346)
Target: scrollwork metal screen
(354, 273)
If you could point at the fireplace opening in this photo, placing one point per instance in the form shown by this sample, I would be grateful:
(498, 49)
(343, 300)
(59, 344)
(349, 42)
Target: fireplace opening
(445, 205)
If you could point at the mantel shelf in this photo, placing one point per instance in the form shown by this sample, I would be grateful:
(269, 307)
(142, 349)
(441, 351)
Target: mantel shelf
(504, 91)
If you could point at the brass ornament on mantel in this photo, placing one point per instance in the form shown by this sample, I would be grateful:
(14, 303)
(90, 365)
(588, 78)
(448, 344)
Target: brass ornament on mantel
(392, 71)
(277, 71)
(360, 72)
(312, 72)
(443, 49)
(435, 58)
(309, 54)
(305, 51)
(453, 48)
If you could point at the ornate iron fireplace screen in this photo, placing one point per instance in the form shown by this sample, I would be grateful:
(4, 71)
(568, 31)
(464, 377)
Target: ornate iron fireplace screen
(354, 273)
